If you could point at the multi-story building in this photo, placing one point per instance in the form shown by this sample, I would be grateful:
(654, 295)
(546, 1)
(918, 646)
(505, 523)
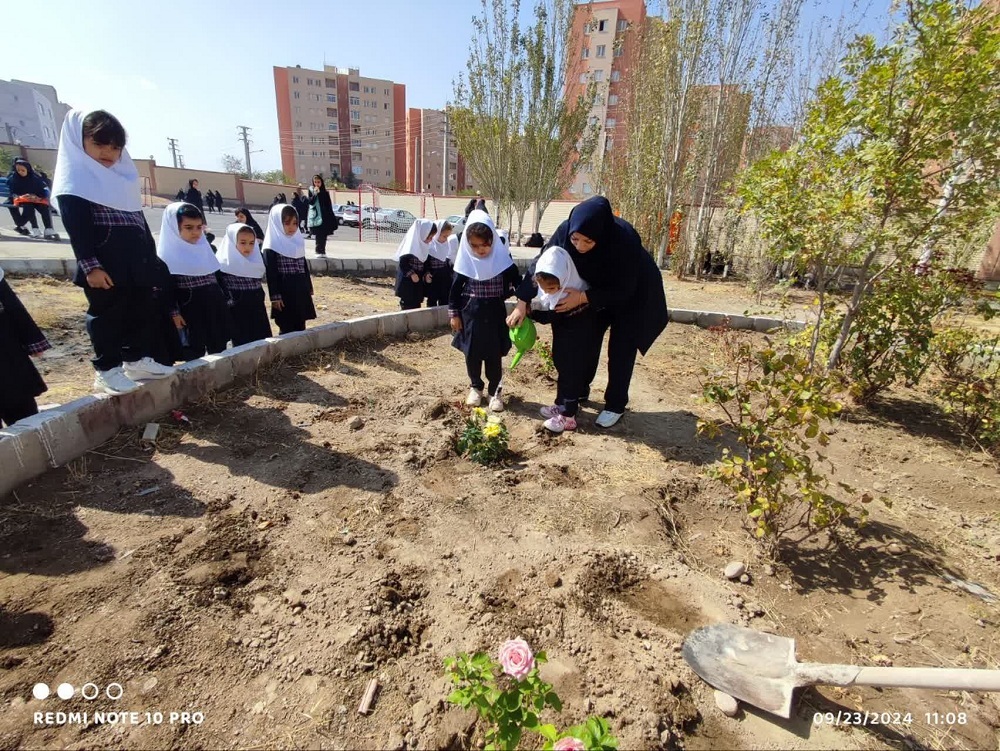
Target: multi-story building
(433, 164)
(336, 122)
(30, 114)
(606, 33)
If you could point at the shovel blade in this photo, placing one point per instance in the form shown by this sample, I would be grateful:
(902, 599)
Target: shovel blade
(751, 666)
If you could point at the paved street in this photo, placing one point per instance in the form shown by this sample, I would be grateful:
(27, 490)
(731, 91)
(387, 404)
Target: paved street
(344, 243)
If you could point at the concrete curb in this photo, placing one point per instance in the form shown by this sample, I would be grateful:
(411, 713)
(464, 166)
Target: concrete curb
(52, 438)
(65, 268)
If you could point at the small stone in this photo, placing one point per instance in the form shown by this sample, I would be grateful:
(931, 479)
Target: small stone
(726, 704)
(896, 549)
(745, 579)
(588, 705)
(220, 593)
(356, 423)
(734, 570)
(396, 742)
(768, 570)
(553, 579)
(350, 540)
(149, 684)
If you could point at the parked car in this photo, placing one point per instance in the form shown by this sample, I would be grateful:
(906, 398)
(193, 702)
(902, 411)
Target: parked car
(352, 215)
(338, 211)
(4, 189)
(394, 220)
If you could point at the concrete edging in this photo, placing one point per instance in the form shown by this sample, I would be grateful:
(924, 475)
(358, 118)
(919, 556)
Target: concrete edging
(55, 437)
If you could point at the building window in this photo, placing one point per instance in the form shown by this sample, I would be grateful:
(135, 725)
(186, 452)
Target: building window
(598, 75)
(358, 170)
(586, 52)
(609, 123)
(386, 92)
(385, 106)
(583, 78)
(602, 26)
(298, 123)
(622, 25)
(331, 126)
(355, 115)
(309, 82)
(331, 112)
(593, 120)
(616, 76)
(612, 100)
(355, 100)
(295, 79)
(353, 86)
(601, 50)
(331, 84)
(332, 140)
(587, 190)
(619, 50)
(295, 95)
(356, 142)
(301, 152)
(388, 173)
(332, 98)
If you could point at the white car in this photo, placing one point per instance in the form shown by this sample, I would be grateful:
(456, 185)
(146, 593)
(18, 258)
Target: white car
(352, 215)
(394, 220)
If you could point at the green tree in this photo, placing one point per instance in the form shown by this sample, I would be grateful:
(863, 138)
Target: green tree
(6, 161)
(233, 165)
(899, 154)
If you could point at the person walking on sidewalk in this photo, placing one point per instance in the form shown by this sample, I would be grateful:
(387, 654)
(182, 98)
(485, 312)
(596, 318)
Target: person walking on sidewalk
(96, 185)
(322, 220)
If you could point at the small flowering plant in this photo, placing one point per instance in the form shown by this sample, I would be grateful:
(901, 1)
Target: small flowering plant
(484, 438)
(510, 696)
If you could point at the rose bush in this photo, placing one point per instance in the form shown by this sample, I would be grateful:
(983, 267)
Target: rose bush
(516, 658)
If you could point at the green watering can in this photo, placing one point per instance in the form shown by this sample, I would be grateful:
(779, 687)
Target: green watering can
(523, 337)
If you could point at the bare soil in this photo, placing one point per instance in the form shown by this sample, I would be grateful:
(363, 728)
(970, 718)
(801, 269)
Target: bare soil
(261, 565)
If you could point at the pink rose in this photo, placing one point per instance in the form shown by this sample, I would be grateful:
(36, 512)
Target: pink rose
(569, 743)
(516, 658)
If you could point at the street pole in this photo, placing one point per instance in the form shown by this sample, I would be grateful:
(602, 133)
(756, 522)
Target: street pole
(10, 133)
(173, 150)
(244, 136)
(444, 168)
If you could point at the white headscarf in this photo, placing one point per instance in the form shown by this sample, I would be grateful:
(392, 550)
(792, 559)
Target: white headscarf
(452, 248)
(413, 241)
(77, 174)
(235, 263)
(481, 269)
(557, 261)
(505, 235)
(182, 257)
(290, 246)
(440, 250)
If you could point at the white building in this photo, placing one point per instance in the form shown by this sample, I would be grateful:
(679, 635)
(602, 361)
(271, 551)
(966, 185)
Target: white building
(30, 114)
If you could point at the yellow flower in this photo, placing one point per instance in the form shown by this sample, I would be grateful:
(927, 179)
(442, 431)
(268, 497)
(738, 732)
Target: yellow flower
(492, 430)
(479, 413)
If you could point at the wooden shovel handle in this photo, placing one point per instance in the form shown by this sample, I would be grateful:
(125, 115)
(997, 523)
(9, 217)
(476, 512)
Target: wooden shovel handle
(855, 675)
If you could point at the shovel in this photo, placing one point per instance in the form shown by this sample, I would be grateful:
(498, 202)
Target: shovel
(761, 669)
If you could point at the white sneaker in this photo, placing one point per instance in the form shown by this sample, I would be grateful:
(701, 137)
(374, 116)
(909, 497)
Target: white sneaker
(496, 403)
(114, 381)
(51, 234)
(35, 232)
(474, 398)
(147, 369)
(607, 419)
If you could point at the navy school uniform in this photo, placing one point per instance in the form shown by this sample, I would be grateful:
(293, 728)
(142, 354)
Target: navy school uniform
(202, 303)
(247, 312)
(483, 338)
(410, 293)
(576, 343)
(19, 339)
(165, 343)
(439, 289)
(119, 320)
(288, 280)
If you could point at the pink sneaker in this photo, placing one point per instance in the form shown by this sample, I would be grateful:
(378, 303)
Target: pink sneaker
(559, 423)
(551, 411)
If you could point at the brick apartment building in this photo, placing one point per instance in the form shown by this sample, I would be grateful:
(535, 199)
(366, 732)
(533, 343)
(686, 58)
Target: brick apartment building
(433, 164)
(607, 35)
(337, 122)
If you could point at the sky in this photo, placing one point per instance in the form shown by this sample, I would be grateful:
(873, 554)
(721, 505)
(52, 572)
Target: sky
(195, 71)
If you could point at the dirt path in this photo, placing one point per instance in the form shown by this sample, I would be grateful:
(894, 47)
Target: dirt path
(263, 565)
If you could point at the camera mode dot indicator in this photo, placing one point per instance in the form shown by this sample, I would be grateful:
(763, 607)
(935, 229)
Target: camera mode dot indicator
(40, 691)
(65, 691)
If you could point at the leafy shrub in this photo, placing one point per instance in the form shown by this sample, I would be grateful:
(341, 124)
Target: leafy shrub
(970, 389)
(776, 406)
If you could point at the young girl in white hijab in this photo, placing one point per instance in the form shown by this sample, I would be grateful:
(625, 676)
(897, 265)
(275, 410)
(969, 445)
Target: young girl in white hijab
(412, 277)
(242, 271)
(439, 266)
(201, 309)
(96, 186)
(288, 280)
(575, 341)
(485, 276)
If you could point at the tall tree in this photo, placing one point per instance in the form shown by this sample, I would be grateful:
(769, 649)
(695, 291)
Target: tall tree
(233, 165)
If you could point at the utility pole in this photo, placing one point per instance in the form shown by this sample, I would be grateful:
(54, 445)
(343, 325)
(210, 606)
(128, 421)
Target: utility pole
(245, 137)
(444, 168)
(10, 133)
(173, 150)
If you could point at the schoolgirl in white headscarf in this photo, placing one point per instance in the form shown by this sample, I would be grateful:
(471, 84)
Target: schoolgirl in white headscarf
(439, 265)
(412, 274)
(96, 186)
(242, 270)
(288, 282)
(201, 310)
(485, 276)
(556, 262)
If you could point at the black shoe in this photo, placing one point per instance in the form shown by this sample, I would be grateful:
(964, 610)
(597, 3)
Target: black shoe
(22, 231)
